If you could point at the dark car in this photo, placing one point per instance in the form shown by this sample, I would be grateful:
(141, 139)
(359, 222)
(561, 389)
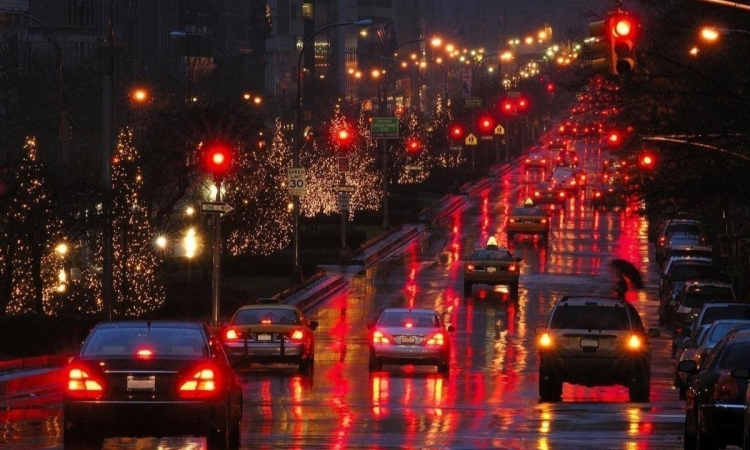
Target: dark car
(715, 399)
(535, 160)
(608, 197)
(549, 192)
(686, 270)
(151, 378)
(270, 334)
(672, 226)
(594, 341)
(693, 296)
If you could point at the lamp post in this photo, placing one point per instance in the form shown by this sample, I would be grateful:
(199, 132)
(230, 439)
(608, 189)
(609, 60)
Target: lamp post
(474, 70)
(181, 34)
(296, 269)
(64, 134)
(445, 81)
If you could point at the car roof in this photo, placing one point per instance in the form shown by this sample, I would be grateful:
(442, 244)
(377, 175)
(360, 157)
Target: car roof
(691, 283)
(410, 310)
(151, 324)
(267, 306)
(591, 300)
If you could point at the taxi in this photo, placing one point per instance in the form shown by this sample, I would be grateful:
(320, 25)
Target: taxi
(528, 219)
(492, 265)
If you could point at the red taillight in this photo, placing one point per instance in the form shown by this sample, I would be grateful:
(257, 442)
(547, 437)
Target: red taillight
(437, 339)
(528, 160)
(470, 267)
(200, 383)
(544, 221)
(266, 321)
(298, 335)
(597, 194)
(726, 388)
(81, 382)
(511, 220)
(512, 268)
(409, 325)
(231, 334)
(537, 194)
(544, 161)
(562, 194)
(380, 338)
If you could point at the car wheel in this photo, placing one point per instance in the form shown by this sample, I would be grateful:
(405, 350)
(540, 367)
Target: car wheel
(306, 365)
(704, 441)
(375, 364)
(687, 439)
(76, 438)
(220, 439)
(467, 288)
(550, 388)
(640, 386)
(514, 290)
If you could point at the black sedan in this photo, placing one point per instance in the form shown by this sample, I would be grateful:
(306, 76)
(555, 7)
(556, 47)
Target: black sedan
(715, 399)
(144, 378)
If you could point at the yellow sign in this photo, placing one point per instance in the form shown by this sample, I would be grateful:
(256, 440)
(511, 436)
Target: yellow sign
(471, 140)
(499, 129)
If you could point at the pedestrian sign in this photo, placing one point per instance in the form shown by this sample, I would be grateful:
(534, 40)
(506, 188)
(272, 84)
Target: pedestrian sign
(499, 129)
(471, 139)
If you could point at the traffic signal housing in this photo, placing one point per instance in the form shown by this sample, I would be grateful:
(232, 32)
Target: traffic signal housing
(623, 29)
(614, 139)
(508, 107)
(217, 158)
(456, 132)
(413, 145)
(522, 104)
(601, 46)
(486, 124)
(647, 160)
(343, 139)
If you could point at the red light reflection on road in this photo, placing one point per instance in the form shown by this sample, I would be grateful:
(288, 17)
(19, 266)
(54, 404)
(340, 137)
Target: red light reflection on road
(338, 403)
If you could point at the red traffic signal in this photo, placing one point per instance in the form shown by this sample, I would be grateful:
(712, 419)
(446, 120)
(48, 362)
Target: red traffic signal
(614, 139)
(647, 160)
(217, 158)
(456, 132)
(486, 124)
(508, 107)
(623, 30)
(550, 87)
(413, 145)
(522, 104)
(343, 139)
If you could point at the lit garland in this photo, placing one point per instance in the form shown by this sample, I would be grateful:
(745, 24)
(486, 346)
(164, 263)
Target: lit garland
(409, 128)
(438, 138)
(137, 289)
(262, 222)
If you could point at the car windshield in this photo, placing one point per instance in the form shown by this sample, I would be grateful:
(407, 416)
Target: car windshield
(684, 272)
(129, 341)
(691, 228)
(409, 319)
(528, 212)
(737, 355)
(726, 312)
(491, 255)
(719, 330)
(685, 240)
(701, 295)
(254, 316)
(590, 317)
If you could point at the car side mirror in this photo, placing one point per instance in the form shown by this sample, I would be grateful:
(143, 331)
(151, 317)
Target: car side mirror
(654, 332)
(741, 373)
(451, 328)
(313, 325)
(688, 366)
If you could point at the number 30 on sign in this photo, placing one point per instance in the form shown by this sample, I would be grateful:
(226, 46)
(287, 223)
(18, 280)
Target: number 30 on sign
(296, 179)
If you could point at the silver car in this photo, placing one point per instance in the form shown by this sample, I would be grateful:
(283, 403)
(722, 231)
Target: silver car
(410, 336)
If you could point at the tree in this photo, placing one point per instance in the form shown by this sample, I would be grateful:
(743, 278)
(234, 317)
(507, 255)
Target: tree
(438, 140)
(403, 160)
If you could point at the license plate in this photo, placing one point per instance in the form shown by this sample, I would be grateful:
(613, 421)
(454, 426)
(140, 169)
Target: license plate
(264, 337)
(141, 383)
(408, 340)
(491, 269)
(549, 195)
(527, 222)
(589, 342)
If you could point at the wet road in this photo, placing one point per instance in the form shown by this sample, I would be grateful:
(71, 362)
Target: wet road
(490, 399)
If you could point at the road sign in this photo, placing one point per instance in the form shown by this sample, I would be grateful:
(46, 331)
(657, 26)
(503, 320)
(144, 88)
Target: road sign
(413, 167)
(470, 139)
(384, 128)
(499, 129)
(455, 148)
(343, 164)
(217, 208)
(473, 102)
(486, 138)
(343, 201)
(513, 94)
(343, 188)
(296, 180)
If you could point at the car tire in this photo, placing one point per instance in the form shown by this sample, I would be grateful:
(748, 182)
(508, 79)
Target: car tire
(550, 388)
(640, 386)
(77, 438)
(375, 364)
(705, 441)
(467, 288)
(220, 439)
(514, 290)
(443, 367)
(306, 365)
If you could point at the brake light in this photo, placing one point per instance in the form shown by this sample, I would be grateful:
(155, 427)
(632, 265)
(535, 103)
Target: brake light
(265, 321)
(437, 339)
(81, 383)
(231, 334)
(379, 338)
(634, 343)
(298, 335)
(726, 388)
(201, 384)
(544, 221)
(512, 220)
(528, 160)
(597, 194)
(537, 194)
(144, 354)
(470, 267)
(545, 340)
(512, 268)
(409, 325)
(562, 194)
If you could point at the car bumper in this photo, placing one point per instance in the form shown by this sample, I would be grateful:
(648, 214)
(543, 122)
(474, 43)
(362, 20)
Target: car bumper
(595, 371)
(409, 354)
(528, 229)
(490, 278)
(267, 353)
(554, 199)
(724, 421)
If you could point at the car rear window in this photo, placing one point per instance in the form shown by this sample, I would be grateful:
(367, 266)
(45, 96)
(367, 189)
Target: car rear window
(726, 312)
(721, 329)
(128, 341)
(491, 255)
(691, 252)
(682, 228)
(401, 319)
(528, 212)
(736, 355)
(590, 317)
(684, 272)
(266, 316)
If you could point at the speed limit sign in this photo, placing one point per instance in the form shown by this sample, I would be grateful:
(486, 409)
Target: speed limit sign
(296, 180)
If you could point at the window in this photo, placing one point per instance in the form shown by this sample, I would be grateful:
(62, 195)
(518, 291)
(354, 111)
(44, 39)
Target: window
(307, 11)
(590, 318)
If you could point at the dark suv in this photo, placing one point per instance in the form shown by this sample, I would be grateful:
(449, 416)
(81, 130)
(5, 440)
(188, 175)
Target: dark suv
(594, 341)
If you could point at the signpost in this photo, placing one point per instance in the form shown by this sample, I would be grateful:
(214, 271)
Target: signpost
(343, 164)
(217, 207)
(473, 102)
(384, 128)
(343, 188)
(297, 184)
(413, 167)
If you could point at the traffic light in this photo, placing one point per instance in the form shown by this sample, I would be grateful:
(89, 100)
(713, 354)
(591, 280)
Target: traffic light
(217, 158)
(343, 138)
(508, 107)
(614, 139)
(413, 145)
(623, 29)
(601, 46)
(456, 132)
(647, 160)
(486, 124)
(522, 104)
(551, 87)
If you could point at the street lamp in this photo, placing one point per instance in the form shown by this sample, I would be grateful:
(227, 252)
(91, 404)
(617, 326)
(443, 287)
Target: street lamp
(64, 134)
(181, 34)
(474, 70)
(296, 269)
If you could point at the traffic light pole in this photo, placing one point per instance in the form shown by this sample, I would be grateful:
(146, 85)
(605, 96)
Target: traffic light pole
(216, 273)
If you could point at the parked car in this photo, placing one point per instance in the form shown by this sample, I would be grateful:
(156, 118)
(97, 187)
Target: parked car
(715, 399)
(686, 351)
(682, 251)
(672, 226)
(691, 298)
(594, 341)
(151, 378)
(410, 336)
(270, 333)
(709, 313)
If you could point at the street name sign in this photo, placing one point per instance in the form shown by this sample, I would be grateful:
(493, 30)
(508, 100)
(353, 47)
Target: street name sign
(343, 164)
(343, 188)
(473, 102)
(297, 182)
(455, 148)
(384, 128)
(486, 138)
(470, 139)
(217, 208)
(413, 167)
